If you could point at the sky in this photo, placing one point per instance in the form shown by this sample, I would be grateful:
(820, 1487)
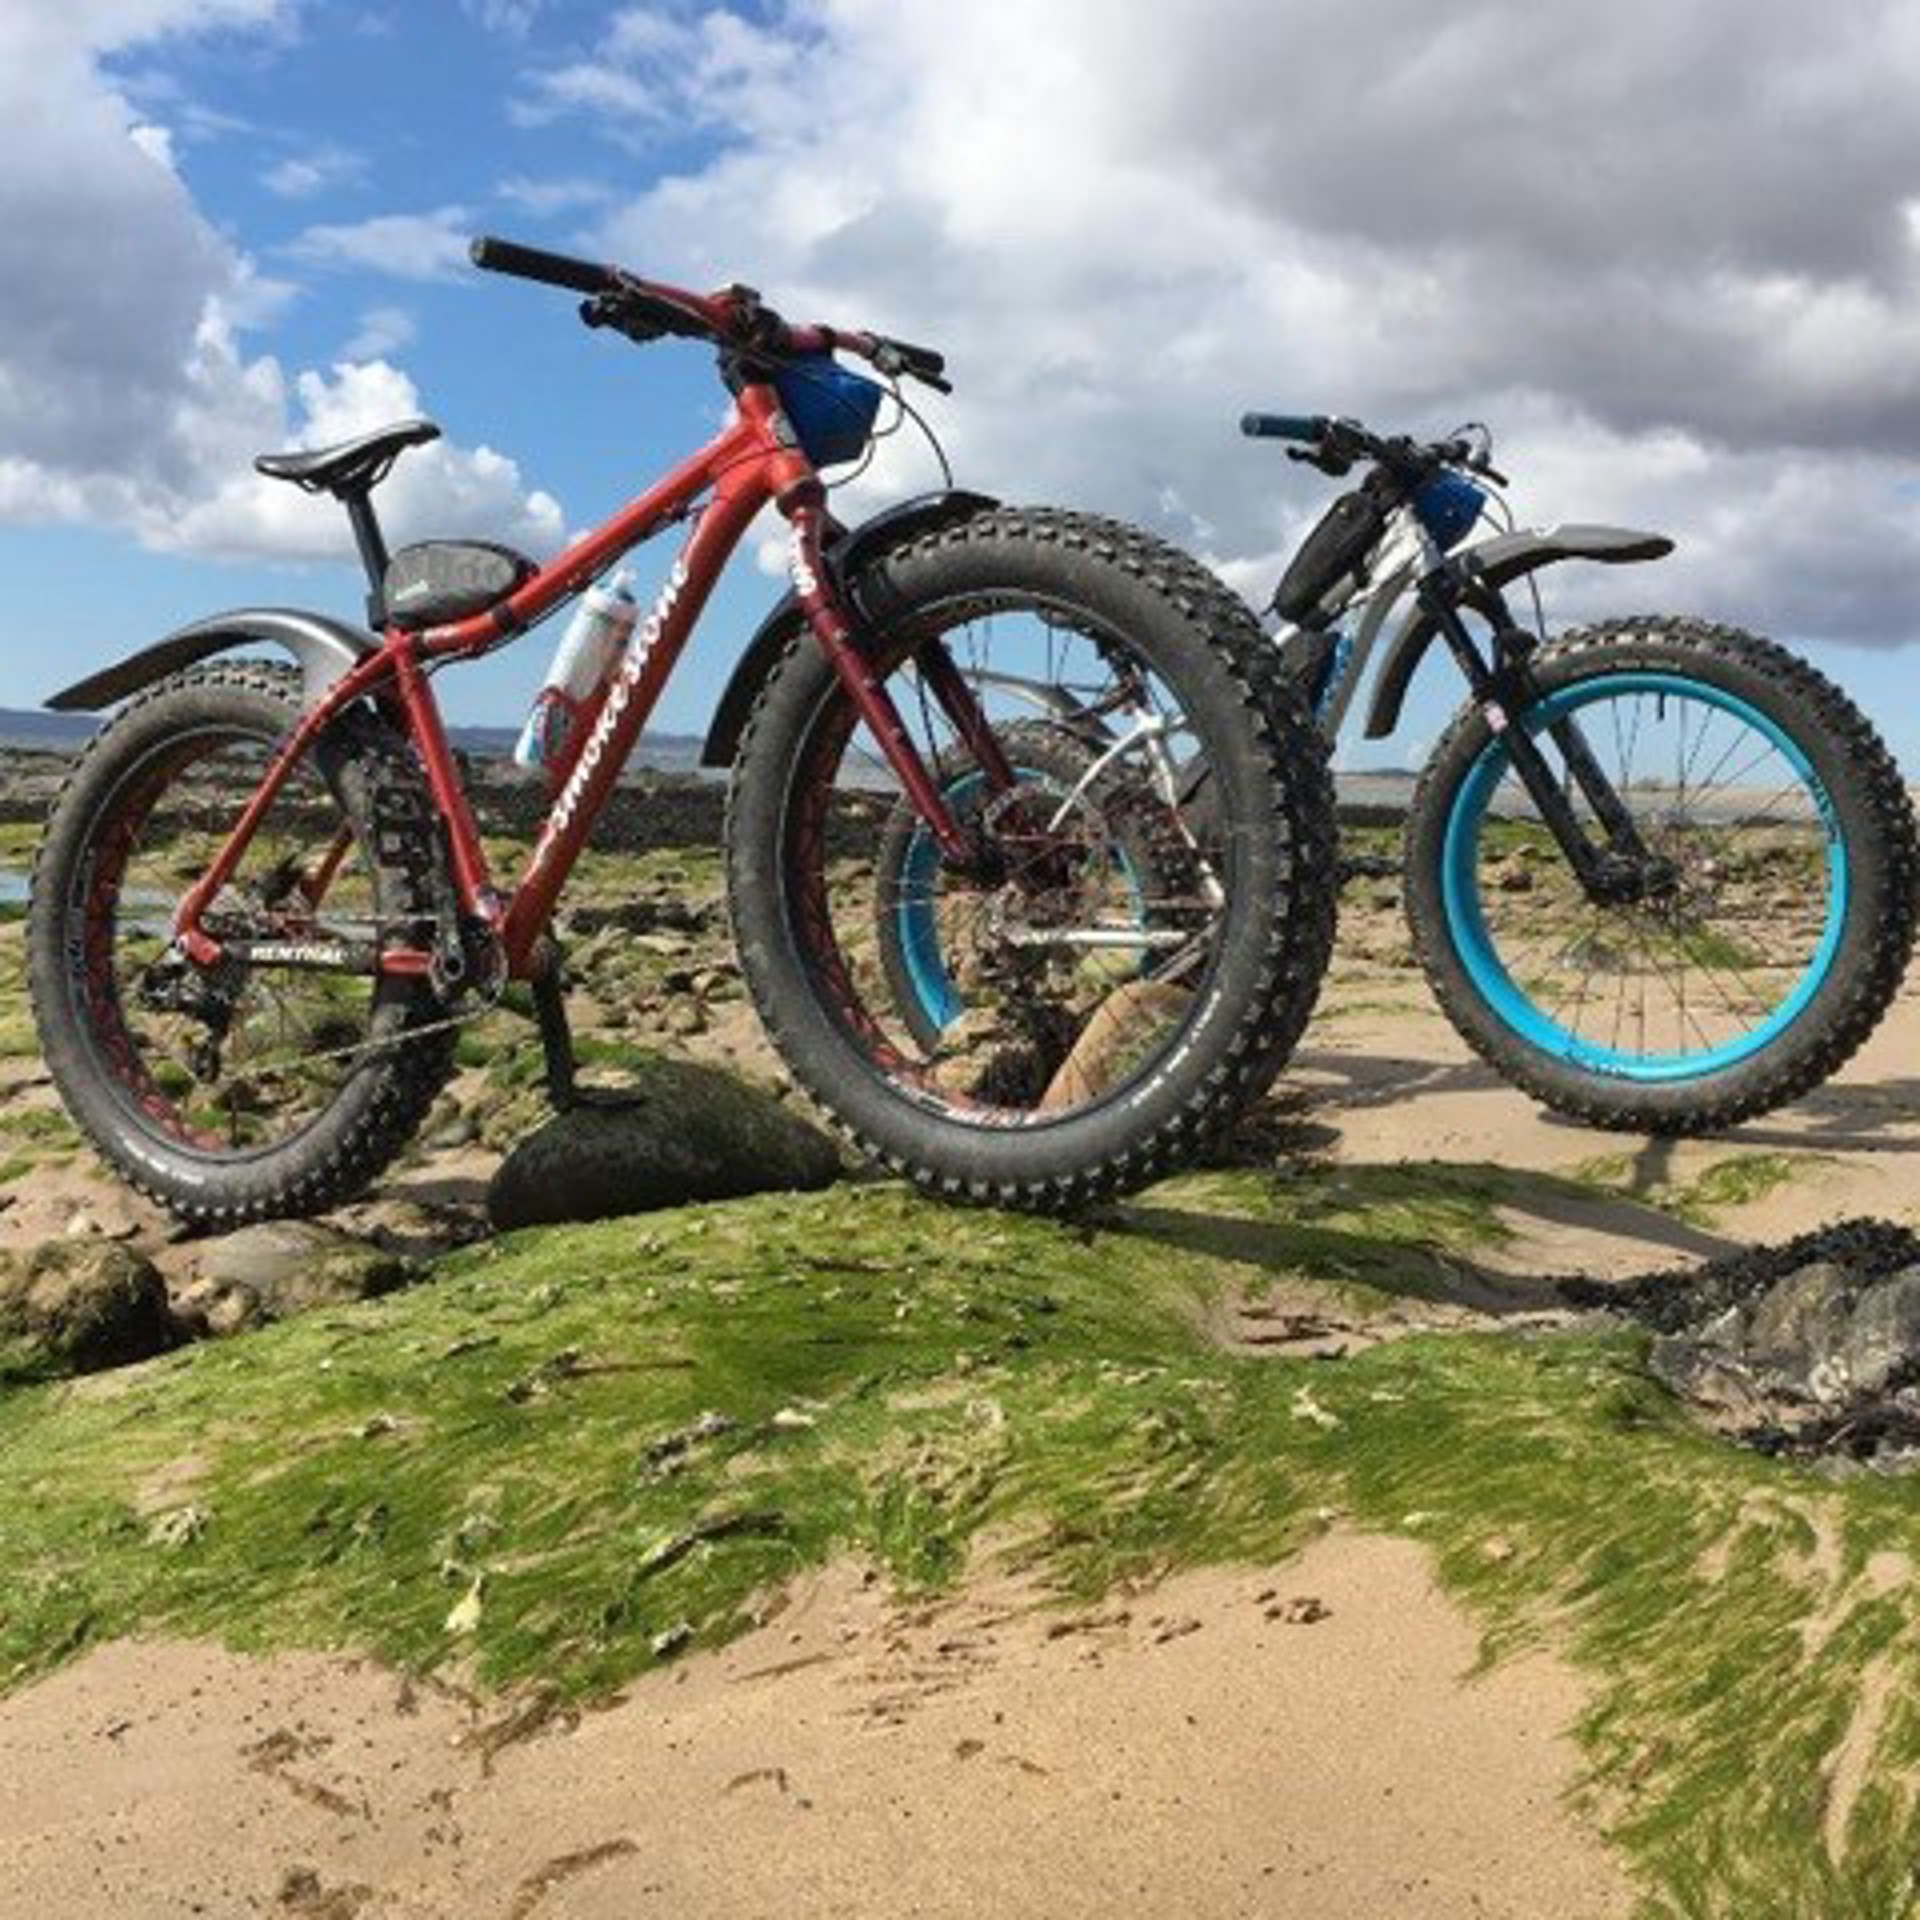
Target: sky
(1670, 253)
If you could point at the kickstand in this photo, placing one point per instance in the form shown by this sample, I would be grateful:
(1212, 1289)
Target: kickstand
(556, 1037)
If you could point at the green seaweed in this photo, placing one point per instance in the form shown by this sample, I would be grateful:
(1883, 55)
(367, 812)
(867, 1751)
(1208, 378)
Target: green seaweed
(575, 1439)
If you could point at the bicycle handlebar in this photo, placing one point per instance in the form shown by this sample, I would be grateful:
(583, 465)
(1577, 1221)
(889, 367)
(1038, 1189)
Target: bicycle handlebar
(535, 263)
(1334, 444)
(644, 310)
(1283, 426)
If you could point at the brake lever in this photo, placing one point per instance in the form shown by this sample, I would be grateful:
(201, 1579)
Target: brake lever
(610, 310)
(1333, 464)
(890, 358)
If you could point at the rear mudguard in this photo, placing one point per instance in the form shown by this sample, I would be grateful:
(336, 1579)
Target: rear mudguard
(845, 553)
(325, 649)
(1494, 562)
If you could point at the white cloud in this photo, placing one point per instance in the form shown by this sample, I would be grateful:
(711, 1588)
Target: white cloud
(433, 490)
(409, 246)
(510, 17)
(552, 196)
(126, 398)
(382, 331)
(1671, 257)
(303, 175)
(585, 85)
(154, 141)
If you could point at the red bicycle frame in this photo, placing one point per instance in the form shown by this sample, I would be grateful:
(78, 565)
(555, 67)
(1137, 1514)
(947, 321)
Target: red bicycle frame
(754, 460)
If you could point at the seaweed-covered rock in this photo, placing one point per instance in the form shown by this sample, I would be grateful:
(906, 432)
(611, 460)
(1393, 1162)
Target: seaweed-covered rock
(74, 1306)
(1810, 1347)
(682, 1132)
(283, 1267)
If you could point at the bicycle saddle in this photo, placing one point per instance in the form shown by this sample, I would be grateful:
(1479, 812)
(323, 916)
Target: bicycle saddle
(354, 466)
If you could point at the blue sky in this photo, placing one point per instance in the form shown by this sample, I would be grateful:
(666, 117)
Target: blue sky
(1680, 277)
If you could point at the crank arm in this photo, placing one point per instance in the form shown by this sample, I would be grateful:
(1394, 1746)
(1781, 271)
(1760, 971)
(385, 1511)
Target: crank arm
(312, 956)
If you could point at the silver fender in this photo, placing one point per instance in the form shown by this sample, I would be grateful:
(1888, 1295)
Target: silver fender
(1504, 557)
(324, 648)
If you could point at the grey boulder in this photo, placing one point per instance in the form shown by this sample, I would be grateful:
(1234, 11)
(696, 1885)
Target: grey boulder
(684, 1132)
(74, 1306)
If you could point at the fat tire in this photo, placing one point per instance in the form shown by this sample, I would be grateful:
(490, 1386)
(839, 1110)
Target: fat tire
(1876, 816)
(382, 1103)
(1132, 581)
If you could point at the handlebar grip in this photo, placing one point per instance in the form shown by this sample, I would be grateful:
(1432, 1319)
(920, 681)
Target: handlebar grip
(923, 360)
(1283, 426)
(535, 263)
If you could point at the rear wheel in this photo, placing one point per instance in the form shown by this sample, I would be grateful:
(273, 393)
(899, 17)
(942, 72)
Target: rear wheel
(1131, 870)
(236, 1092)
(1034, 1059)
(1778, 904)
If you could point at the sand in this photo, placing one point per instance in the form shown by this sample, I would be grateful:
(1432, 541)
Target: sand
(1306, 1741)
(1196, 1758)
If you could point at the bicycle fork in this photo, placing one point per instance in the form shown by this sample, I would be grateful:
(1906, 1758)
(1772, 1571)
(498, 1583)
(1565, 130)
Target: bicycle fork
(1624, 868)
(831, 627)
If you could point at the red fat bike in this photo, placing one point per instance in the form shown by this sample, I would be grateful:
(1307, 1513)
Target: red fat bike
(262, 906)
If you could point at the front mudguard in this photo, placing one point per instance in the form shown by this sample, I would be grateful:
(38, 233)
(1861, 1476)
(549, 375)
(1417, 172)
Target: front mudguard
(324, 648)
(845, 553)
(1494, 563)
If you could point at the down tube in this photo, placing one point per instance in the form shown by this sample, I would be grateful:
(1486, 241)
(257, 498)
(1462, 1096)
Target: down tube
(643, 671)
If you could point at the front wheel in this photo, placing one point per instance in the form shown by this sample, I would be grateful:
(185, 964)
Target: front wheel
(1767, 868)
(1054, 1022)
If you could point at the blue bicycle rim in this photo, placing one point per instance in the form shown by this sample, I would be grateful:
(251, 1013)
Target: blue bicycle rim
(917, 927)
(1466, 922)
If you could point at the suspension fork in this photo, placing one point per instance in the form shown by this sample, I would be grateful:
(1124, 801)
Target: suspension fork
(1501, 693)
(806, 514)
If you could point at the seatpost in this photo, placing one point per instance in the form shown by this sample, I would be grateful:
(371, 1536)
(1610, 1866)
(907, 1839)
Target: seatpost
(373, 550)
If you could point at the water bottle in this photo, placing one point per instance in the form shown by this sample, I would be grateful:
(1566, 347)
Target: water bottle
(592, 642)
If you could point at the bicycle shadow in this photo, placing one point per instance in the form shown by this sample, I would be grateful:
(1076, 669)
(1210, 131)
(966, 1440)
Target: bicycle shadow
(1364, 1080)
(1855, 1116)
(1312, 1242)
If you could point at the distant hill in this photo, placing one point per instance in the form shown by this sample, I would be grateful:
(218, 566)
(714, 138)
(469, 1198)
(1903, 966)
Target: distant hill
(45, 732)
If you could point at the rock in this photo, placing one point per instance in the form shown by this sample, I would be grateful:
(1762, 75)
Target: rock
(1303, 1610)
(685, 1016)
(73, 1306)
(213, 1310)
(1798, 1329)
(685, 1132)
(1808, 1348)
(671, 1640)
(458, 1129)
(290, 1266)
(1882, 1341)
(1130, 1019)
(179, 1527)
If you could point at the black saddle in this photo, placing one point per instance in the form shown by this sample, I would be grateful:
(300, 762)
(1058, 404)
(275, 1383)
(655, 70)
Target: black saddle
(354, 466)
